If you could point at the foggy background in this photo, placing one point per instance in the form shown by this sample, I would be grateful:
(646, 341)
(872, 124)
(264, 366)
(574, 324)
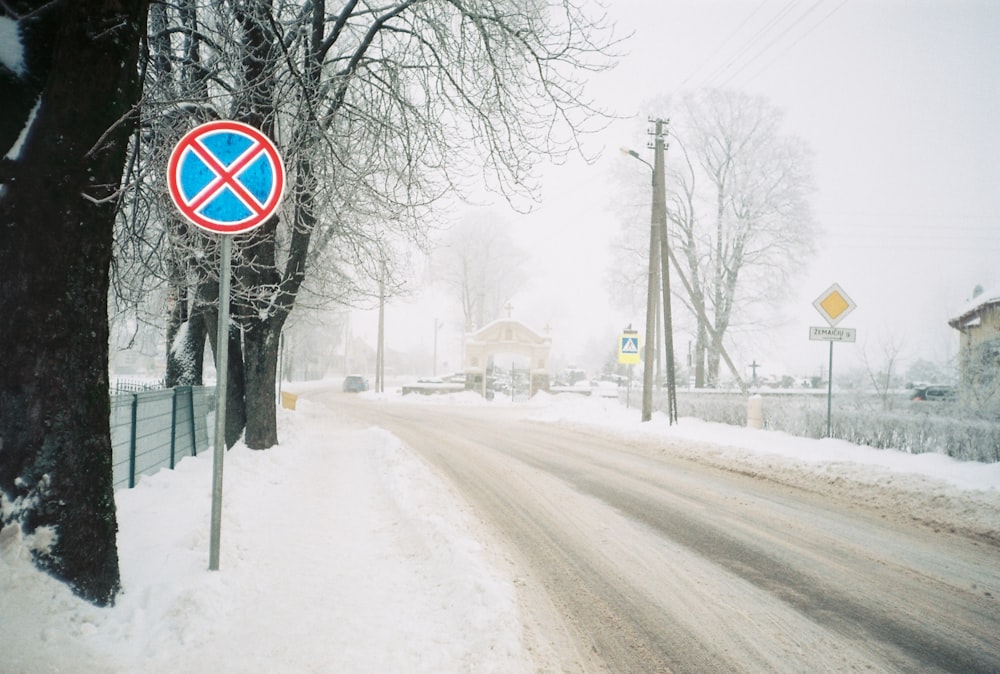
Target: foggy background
(899, 103)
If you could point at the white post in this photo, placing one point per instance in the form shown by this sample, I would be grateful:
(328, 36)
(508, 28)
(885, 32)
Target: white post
(755, 411)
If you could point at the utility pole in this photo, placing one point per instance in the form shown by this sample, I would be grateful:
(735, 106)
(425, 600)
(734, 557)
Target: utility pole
(660, 224)
(651, 302)
(659, 255)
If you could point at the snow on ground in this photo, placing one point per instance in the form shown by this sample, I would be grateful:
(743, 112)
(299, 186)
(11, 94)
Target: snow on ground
(931, 488)
(341, 551)
(860, 461)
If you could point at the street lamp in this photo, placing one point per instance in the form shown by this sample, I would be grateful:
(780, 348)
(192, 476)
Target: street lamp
(658, 249)
(647, 361)
(636, 155)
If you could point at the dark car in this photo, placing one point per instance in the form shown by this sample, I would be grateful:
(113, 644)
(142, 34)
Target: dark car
(934, 393)
(355, 383)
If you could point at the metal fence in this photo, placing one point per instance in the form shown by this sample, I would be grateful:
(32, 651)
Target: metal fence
(151, 430)
(119, 385)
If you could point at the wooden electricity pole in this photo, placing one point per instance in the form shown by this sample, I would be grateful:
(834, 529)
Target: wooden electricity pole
(660, 224)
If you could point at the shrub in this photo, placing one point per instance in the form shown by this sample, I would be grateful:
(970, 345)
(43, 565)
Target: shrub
(916, 428)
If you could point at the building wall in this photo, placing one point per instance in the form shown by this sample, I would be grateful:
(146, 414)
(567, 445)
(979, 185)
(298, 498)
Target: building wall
(988, 329)
(973, 338)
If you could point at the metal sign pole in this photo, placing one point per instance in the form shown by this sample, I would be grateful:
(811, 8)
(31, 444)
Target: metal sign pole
(227, 178)
(833, 305)
(221, 385)
(829, 390)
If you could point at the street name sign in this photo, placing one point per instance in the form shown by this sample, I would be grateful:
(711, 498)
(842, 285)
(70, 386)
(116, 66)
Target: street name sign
(833, 334)
(226, 177)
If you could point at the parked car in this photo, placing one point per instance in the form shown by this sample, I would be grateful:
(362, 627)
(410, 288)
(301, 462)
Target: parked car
(934, 393)
(355, 383)
(597, 388)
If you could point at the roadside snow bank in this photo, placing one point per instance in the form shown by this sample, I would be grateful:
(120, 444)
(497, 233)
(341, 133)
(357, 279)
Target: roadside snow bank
(340, 551)
(931, 488)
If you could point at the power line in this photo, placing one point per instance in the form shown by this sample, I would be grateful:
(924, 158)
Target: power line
(724, 42)
(768, 35)
(911, 224)
(801, 37)
(760, 53)
(932, 247)
(925, 216)
(750, 41)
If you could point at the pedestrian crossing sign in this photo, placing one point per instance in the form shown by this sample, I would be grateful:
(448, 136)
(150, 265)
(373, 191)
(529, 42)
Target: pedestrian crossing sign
(628, 348)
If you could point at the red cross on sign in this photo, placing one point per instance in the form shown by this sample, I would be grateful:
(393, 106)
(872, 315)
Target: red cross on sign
(226, 177)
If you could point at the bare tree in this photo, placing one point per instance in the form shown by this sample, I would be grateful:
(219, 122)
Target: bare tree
(883, 375)
(482, 266)
(738, 209)
(379, 110)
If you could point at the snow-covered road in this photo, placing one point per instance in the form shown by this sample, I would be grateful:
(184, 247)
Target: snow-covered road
(655, 561)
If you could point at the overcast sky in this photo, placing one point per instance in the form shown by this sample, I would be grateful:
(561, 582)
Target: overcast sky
(900, 102)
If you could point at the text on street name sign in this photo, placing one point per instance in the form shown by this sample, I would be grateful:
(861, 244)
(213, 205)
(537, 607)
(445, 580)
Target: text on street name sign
(833, 334)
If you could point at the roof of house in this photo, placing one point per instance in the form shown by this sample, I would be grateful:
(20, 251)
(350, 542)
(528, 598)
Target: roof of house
(970, 314)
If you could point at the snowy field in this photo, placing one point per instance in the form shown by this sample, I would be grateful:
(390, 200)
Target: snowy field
(341, 551)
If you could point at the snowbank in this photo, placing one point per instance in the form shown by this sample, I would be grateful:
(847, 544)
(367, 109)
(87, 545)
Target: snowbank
(340, 552)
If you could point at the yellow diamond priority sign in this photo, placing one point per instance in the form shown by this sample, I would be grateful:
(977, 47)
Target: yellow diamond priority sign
(834, 304)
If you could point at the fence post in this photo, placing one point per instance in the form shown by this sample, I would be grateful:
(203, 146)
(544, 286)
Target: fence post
(194, 436)
(173, 425)
(132, 442)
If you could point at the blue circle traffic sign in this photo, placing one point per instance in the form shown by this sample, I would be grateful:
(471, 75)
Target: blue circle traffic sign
(226, 177)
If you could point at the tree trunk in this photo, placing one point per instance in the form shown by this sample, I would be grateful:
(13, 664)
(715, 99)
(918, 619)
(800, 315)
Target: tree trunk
(254, 405)
(260, 358)
(177, 316)
(236, 411)
(194, 304)
(236, 415)
(713, 364)
(186, 351)
(700, 347)
(57, 206)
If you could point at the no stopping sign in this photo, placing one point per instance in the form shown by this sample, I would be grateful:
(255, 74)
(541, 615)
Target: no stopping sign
(226, 177)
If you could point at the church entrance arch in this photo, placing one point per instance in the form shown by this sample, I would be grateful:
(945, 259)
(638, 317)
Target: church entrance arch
(506, 336)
